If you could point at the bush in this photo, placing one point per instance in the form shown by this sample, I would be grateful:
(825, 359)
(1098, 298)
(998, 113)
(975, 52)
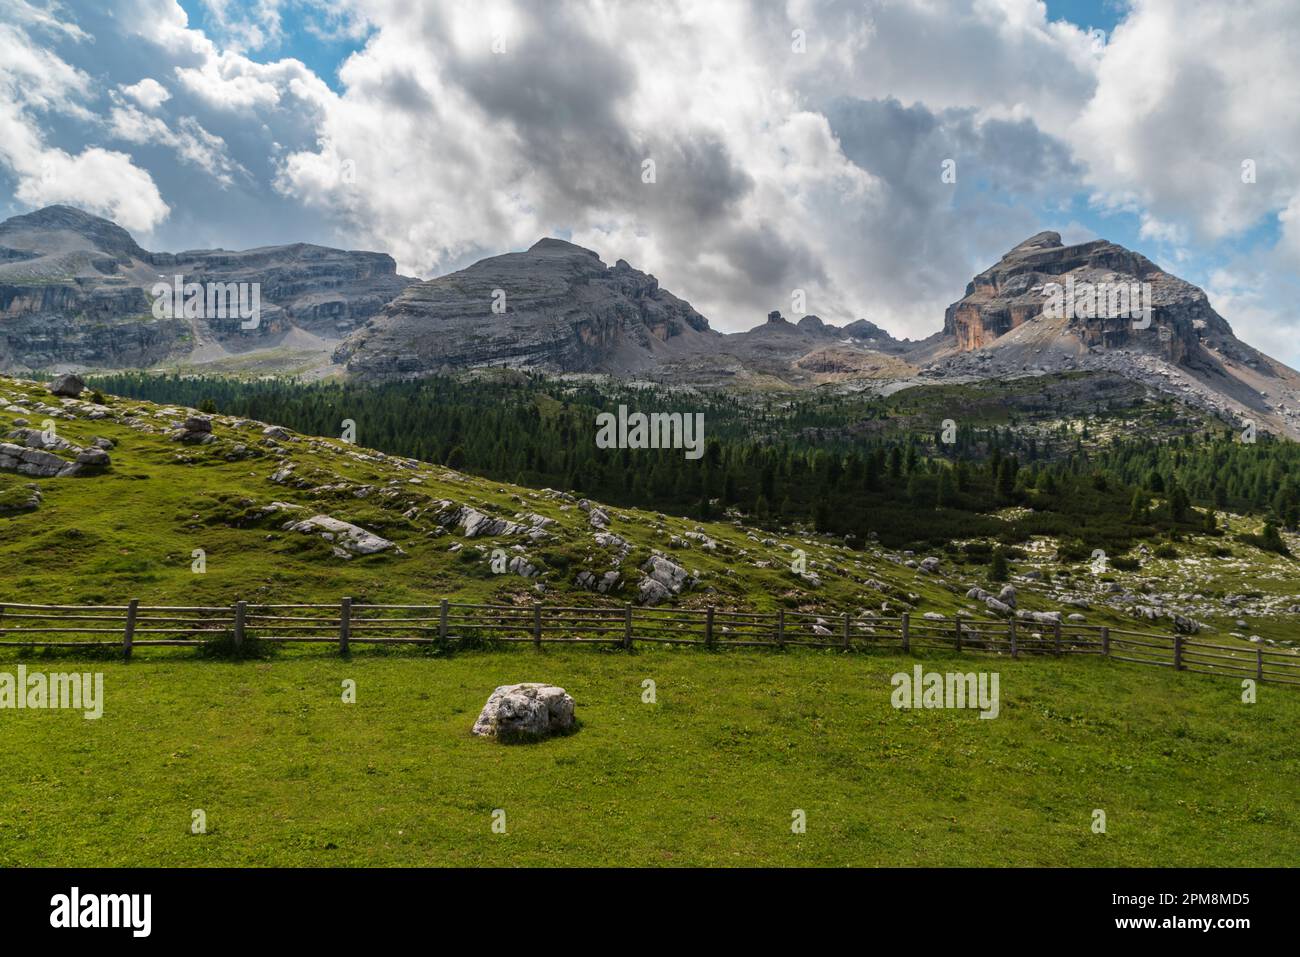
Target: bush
(222, 645)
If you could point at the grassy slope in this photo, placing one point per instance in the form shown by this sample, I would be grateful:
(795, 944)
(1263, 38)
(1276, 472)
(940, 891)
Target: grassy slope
(288, 774)
(130, 533)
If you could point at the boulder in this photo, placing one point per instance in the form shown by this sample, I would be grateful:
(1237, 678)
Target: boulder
(94, 458)
(198, 423)
(1008, 595)
(67, 384)
(603, 584)
(35, 462)
(652, 592)
(667, 573)
(526, 711)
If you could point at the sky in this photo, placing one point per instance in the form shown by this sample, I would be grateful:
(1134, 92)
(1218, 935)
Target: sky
(797, 147)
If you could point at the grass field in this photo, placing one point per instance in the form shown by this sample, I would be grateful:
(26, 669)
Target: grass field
(710, 774)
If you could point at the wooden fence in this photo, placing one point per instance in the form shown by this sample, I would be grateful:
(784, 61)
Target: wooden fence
(134, 625)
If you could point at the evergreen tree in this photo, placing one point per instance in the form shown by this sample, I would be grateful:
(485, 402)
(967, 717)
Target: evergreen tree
(998, 571)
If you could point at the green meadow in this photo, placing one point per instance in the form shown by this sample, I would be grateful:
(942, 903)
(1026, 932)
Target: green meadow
(711, 773)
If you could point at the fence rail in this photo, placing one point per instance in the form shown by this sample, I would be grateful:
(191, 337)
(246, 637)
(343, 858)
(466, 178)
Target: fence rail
(348, 623)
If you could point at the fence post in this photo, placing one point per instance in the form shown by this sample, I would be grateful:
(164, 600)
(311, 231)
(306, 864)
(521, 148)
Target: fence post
(1259, 664)
(345, 624)
(627, 627)
(1011, 633)
(128, 636)
(537, 626)
(846, 631)
(708, 628)
(780, 628)
(1178, 652)
(956, 618)
(241, 610)
(1105, 641)
(442, 621)
(1056, 628)
(907, 638)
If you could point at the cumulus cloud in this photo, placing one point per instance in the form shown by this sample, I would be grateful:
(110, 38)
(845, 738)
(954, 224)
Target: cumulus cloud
(149, 93)
(35, 83)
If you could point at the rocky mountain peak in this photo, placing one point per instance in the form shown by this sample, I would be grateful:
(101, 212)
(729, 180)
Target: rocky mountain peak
(558, 307)
(1017, 289)
(66, 229)
(1047, 239)
(550, 246)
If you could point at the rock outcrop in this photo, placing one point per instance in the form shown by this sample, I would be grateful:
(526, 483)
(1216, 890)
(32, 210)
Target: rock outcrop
(348, 539)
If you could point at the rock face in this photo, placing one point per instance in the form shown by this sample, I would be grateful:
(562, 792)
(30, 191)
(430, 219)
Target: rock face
(564, 311)
(1015, 291)
(526, 712)
(76, 290)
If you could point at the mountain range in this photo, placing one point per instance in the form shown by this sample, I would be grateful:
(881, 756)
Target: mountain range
(74, 295)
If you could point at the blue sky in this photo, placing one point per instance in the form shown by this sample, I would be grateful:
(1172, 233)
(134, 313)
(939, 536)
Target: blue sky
(227, 123)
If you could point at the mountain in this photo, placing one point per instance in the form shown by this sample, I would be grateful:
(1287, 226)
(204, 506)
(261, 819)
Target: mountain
(555, 306)
(75, 292)
(1002, 327)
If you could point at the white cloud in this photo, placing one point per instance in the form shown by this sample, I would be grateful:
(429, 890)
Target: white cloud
(35, 81)
(459, 152)
(98, 180)
(191, 142)
(149, 93)
(1187, 91)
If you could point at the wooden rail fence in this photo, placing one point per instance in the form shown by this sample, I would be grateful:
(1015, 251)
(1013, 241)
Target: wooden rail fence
(348, 623)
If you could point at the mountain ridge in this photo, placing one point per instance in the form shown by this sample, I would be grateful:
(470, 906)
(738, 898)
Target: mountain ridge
(72, 295)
